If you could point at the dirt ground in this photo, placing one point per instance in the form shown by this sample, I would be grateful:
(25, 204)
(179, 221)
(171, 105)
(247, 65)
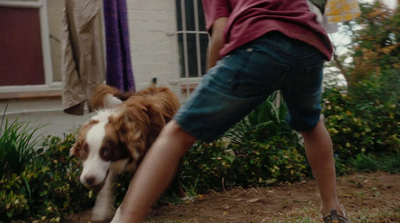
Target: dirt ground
(367, 197)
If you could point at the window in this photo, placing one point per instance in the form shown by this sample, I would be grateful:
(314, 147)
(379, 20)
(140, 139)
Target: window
(192, 41)
(21, 62)
(26, 41)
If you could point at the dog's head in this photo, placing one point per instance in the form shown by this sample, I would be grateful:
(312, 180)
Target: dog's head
(116, 140)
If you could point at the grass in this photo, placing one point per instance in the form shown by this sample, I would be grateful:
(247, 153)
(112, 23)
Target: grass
(386, 214)
(363, 216)
(389, 213)
(307, 214)
(360, 205)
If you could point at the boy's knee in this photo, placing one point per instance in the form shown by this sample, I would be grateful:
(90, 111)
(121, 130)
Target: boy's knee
(174, 130)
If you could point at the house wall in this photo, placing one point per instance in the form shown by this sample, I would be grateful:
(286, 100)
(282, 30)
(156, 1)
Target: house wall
(153, 42)
(55, 14)
(154, 53)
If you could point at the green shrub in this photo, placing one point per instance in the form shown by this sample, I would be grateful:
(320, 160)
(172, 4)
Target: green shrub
(262, 148)
(59, 188)
(282, 158)
(259, 150)
(47, 188)
(208, 164)
(269, 149)
(18, 144)
(366, 119)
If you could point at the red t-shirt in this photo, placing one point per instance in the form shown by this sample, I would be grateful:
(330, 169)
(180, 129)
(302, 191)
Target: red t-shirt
(250, 19)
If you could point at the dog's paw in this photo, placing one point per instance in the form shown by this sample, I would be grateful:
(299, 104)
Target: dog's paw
(116, 218)
(101, 214)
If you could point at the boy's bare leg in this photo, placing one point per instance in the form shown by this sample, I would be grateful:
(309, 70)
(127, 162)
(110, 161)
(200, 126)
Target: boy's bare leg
(158, 168)
(319, 151)
(154, 174)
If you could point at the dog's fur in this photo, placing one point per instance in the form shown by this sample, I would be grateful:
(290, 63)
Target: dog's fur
(118, 136)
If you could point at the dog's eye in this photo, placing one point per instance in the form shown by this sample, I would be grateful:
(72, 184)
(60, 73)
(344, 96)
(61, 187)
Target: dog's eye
(106, 153)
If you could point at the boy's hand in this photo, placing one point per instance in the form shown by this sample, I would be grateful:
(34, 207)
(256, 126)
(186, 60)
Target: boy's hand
(217, 41)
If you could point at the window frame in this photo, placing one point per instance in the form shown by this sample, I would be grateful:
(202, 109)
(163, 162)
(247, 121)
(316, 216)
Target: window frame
(187, 81)
(49, 84)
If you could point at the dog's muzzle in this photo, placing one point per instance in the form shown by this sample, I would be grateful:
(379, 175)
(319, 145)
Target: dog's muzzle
(89, 183)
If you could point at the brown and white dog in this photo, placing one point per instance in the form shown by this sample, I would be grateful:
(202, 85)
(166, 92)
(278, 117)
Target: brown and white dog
(118, 136)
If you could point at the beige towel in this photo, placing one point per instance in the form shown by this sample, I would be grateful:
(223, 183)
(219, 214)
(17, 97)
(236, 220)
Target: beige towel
(82, 53)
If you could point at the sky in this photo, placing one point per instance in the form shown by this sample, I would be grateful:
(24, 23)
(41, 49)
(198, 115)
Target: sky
(390, 3)
(340, 40)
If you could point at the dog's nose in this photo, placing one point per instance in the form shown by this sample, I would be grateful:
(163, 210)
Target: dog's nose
(90, 180)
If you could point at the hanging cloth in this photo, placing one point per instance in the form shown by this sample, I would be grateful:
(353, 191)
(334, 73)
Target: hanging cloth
(342, 10)
(119, 68)
(82, 53)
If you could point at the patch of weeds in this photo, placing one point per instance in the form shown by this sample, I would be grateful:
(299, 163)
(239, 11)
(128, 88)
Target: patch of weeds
(307, 214)
(164, 221)
(359, 181)
(383, 214)
(375, 192)
(372, 163)
(171, 198)
(191, 191)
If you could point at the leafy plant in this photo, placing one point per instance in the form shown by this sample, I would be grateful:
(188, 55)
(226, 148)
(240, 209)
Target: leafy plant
(365, 119)
(268, 118)
(18, 141)
(259, 150)
(47, 188)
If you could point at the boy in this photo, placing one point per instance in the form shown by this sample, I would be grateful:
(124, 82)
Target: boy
(257, 47)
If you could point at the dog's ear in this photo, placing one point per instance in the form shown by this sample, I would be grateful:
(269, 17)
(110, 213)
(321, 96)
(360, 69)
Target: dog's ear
(156, 116)
(74, 151)
(165, 103)
(157, 121)
(80, 148)
(77, 147)
(131, 124)
(158, 111)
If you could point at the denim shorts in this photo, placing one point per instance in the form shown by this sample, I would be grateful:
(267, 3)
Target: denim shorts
(245, 77)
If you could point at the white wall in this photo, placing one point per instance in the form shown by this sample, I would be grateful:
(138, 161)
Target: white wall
(153, 42)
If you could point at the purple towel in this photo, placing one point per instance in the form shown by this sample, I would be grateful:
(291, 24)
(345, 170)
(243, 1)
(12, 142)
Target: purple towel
(119, 68)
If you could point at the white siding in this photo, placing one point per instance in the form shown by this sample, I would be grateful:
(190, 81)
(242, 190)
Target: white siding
(153, 42)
